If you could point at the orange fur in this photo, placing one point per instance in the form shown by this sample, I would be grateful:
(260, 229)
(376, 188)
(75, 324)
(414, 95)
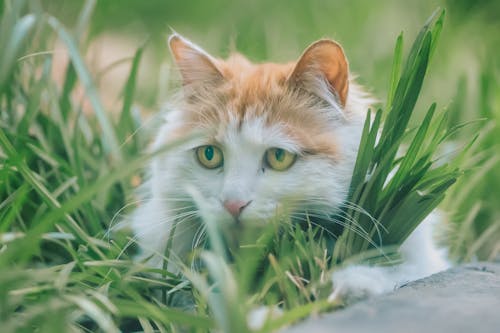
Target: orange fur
(218, 91)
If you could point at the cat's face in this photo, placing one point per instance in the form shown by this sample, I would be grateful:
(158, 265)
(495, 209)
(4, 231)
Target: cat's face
(273, 137)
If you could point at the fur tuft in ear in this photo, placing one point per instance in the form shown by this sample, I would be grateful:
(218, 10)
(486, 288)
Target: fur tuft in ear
(195, 65)
(323, 60)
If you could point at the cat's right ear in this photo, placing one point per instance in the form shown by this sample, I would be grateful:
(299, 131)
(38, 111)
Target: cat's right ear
(196, 65)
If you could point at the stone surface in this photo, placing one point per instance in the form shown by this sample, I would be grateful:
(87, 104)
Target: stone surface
(462, 299)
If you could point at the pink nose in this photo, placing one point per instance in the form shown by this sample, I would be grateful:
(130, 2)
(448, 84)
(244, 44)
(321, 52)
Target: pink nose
(235, 207)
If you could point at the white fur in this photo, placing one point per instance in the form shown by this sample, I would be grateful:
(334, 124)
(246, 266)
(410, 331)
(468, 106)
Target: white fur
(314, 183)
(257, 317)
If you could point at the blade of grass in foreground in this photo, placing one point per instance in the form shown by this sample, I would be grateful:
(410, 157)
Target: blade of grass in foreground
(397, 191)
(31, 241)
(396, 70)
(126, 124)
(14, 34)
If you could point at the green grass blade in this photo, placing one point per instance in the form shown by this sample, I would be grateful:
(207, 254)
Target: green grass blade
(13, 46)
(109, 140)
(396, 70)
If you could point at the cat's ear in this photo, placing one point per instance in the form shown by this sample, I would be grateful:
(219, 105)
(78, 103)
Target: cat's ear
(195, 65)
(323, 61)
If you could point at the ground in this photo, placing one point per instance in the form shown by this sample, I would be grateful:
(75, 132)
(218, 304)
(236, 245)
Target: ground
(462, 299)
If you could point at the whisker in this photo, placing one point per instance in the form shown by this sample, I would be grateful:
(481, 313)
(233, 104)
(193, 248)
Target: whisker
(141, 127)
(112, 227)
(352, 221)
(178, 219)
(349, 226)
(363, 211)
(353, 226)
(316, 200)
(305, 219)
(199, 236)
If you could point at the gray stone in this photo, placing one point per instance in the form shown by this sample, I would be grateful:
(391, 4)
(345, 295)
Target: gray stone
(462, 299)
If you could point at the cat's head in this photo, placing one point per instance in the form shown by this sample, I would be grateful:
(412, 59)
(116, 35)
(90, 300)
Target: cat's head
(275, 137)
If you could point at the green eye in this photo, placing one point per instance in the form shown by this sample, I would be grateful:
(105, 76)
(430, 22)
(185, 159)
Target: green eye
(209, 156)
(279, 159)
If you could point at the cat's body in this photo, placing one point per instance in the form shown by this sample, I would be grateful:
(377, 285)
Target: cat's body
(263, 139)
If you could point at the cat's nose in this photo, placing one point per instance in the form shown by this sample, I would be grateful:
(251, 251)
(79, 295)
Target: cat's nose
(235, 207)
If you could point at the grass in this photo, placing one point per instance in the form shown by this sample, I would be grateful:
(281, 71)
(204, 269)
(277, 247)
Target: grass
(476, 223)
(64, 174)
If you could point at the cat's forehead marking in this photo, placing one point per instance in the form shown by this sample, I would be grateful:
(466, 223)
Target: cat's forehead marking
(255, 133)
(259, 94)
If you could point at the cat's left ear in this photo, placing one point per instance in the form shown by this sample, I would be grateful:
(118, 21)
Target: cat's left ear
(323, 61)
(196, 65)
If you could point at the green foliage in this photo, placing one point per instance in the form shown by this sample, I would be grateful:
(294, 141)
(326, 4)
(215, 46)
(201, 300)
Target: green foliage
(65, 172)
(399, 186)
(475, 229)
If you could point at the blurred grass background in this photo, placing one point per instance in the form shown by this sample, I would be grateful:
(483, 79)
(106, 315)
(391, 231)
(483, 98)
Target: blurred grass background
(280, 30)
(59, 153)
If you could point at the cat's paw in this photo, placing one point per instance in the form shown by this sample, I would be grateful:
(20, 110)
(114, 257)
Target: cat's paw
(257, 317)
(355, 283)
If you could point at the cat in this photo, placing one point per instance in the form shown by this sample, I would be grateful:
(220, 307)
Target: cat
(265, 138)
